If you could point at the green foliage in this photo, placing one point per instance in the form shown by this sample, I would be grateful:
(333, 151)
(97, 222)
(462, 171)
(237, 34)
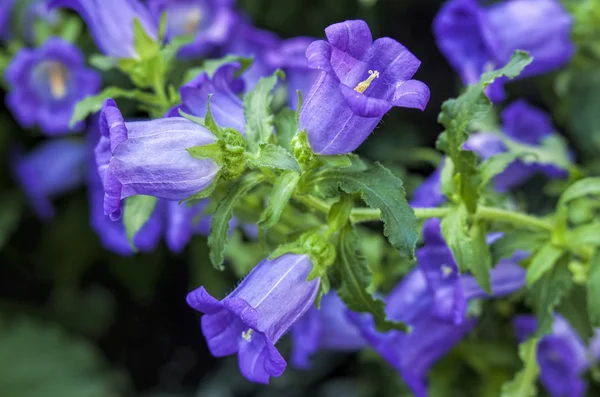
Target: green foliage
(593, 286)
(210, 66)
(524, 382)
(286, 123)
(456, 234)
(482, 258)
(517, 240)
(271, 156)
(542, 262)
(136, 212)
(355, 279)
(283, 189)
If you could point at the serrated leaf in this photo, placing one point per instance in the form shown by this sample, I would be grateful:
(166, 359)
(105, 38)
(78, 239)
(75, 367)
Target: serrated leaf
(593, 286)
(546, 294)
(355, 279)
(456, 234)
(271, 156)
(219, 225)
(524, 382)
(542, 262)
(380, 189)
(286, 125)
(257, 111)
(283, 189)
(494, 166)
(518, 240)
(482, 258)
(136, 212)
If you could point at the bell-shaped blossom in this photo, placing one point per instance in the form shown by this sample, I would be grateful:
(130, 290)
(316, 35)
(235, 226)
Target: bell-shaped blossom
(210, 21)
(477, 38)
(562, 356)
(429, 193)
(290, 56)
(150, 158)
(251, 319)
(51, 169)
(111, 23)
(524, 124)
(112, 234)
(223, 88)
(433, 335)
(360, 80)
(248, 41)
(326, 328)
(46, 84)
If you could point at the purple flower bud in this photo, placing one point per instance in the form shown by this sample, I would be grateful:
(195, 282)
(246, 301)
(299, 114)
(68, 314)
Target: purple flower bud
(360, 81)
(327, 328)
(561, 355)
(251, 319)
(225, 105)
(150, 158)
(46, 84)
(476, 39)
(210, 21)
(429, 193)
(111, 23)
(521, 123)
(51, 169)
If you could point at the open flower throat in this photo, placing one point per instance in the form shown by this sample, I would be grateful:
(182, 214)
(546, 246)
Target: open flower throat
(363, 85)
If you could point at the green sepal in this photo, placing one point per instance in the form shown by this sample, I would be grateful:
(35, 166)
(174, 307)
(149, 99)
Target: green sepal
(145, 46)
(271, 156)
(339, 214)
(136, 212)
(524, 382)
(212, 151)
(283, 189)
(321, 252)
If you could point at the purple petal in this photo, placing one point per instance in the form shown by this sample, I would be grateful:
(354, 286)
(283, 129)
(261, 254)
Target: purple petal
(364, 106)
(525, 123)
(411, 94)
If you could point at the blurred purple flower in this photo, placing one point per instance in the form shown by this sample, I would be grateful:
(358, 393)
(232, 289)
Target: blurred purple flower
(6, 7)
(251, 319)
(327, 328)
(150, 158)
(210, 21)
(38, 10)
(524, 124)
(51, 169)
(475, 38)
(46, 84)
(429, 193)
(561, 355)
(111, 23)
(225, 105)
(360, 80)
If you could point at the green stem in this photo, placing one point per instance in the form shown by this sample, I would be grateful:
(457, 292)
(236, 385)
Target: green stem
(369, 214)
(515, 218)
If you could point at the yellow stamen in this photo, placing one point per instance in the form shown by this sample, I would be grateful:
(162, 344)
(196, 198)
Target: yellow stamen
(446, 270)
(193, 21)
(57, 79)
(363, 85)
(247, 335)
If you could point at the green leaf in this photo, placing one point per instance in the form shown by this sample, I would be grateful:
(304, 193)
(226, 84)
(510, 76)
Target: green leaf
(456, 234)
(523, 240)
(271, 156)
(283, 189)
(219, 226)
(456, 117)
(210, 66)
(169, 52)
(145, 46)
(593, 286)
(286, 124)
(380, 189)
(257, 111)
(482, 258)
(546, 294)
(339, 214)
(553, 150)
(355, 279)
(102, 62)
(136, 212)
(542, 262)
(581, 188)
(494, 166)
(93, 104)
(524, 382)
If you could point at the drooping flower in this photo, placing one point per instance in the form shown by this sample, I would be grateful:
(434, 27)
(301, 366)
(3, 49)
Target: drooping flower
(150, 158)
(561, 356)
(360, 80)
(433, 335)
(51, 169)
(523, 124)
(476, 38)
(210, 21)
(251, 319)
(429, 193)
(111, 23)
(327, 328)
(223, 88)
(46, 84)
(290, 56)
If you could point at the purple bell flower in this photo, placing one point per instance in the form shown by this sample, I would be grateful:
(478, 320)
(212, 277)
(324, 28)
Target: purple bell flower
(111, 23)
(327, 328)
(521, 123)
(51, 169)
(360, 80)
(561, 355)
(150, 158)
(429, 193)
(251, 319)
(475, 38)
(46, 84)
(226, 106)
(210, 21)
(290, 56)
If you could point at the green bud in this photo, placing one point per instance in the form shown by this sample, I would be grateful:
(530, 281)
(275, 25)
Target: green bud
(303, 152)
(233, 148)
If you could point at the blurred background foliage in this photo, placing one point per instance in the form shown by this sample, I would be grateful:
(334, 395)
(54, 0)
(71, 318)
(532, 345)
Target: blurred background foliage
(76, 320)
